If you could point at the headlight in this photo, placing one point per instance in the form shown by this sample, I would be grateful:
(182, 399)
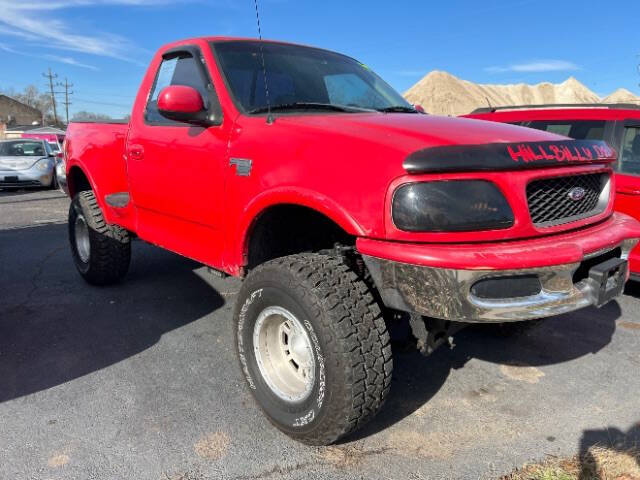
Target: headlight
(44, 164)
(450, 206)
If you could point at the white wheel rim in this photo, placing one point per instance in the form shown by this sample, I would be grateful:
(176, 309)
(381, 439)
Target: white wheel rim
(284, 354)
(81, 232)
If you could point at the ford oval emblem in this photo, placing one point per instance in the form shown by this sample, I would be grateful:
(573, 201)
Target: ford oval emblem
(576, 194)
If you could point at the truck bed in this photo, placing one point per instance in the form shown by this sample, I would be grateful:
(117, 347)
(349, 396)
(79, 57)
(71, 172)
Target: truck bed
(98, 148)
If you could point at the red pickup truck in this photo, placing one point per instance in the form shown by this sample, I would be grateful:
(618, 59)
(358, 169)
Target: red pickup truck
(342, 206)
(617, 124)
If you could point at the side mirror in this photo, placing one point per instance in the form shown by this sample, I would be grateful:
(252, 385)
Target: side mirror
(182, 104)
(419, 108)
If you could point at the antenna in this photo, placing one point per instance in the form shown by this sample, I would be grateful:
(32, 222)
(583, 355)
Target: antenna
(264, 68)
(488, 102)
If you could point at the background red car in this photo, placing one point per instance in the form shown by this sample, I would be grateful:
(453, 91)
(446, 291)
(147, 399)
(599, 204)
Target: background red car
(618, 125)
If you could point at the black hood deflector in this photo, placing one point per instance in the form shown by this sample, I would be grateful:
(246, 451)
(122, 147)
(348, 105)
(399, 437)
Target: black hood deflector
(507, 156)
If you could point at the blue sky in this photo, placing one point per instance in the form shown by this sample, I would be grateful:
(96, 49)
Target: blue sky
(103, 46)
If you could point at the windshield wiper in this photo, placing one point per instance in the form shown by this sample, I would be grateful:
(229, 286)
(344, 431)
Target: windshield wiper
(398, 109)
(310, 106)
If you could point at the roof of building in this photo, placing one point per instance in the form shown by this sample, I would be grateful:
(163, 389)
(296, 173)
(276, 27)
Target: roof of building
(23, 104)
(35, 129)
(52, 130)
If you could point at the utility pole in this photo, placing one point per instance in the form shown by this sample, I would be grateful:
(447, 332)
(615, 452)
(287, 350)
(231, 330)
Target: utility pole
(51, 77)
(66, 102)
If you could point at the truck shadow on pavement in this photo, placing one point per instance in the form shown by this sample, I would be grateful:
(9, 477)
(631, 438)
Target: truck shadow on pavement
(55, 328)
(555, 340)
(632, 288)
(597, 445)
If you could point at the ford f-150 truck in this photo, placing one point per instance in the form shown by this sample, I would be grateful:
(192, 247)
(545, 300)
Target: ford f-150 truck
(342, 206)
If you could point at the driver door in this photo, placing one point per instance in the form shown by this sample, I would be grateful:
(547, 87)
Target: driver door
(176, 169)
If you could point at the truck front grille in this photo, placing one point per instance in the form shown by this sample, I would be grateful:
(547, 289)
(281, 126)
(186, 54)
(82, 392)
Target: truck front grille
(553, 201)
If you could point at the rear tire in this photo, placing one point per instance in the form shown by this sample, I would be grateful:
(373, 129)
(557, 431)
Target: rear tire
(325, 368)
(101, 252)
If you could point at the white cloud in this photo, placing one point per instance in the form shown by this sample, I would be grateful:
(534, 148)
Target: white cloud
(21, 19)
(54, 58)
(69, 61)
(536, 66)
(60, 4)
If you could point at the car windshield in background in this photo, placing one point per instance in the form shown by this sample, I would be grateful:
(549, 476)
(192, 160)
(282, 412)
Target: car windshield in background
(302, 78)
(54, 147)
(577, 129)
(22, 148)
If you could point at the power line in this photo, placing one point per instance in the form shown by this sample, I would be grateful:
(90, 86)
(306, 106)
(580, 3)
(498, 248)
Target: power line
(82, 100)
(105, 94)
(66, 102)
(51, 77)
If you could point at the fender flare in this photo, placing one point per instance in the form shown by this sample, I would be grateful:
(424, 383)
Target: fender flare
(288, 196)
(80, 166)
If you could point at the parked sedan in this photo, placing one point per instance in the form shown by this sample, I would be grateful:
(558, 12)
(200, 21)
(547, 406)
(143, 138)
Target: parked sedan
(26, 163)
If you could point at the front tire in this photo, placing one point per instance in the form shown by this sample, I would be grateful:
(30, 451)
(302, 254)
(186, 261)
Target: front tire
(101, 252)
(313, 346)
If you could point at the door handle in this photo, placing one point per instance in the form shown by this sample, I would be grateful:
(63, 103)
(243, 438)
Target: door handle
(136, 152)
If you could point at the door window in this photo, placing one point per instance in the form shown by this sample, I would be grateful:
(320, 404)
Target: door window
(630, 151)
(578, 129)
(180, 70)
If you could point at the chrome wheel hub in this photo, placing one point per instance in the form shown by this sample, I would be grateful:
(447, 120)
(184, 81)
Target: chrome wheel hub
(284, 354)
(81, 231)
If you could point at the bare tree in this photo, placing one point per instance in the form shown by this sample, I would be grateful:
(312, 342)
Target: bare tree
(90, 117)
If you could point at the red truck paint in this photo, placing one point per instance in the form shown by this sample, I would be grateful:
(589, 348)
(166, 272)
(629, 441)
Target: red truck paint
(342, 166)
(617, 118)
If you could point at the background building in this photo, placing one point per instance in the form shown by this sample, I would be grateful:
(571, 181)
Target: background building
(14, 113)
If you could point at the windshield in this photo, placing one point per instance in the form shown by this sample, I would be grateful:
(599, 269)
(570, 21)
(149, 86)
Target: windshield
(54, 147)
(22, 148)
(577, 129)
(301, 75)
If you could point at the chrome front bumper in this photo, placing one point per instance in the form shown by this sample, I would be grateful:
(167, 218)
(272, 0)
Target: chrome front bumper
(447, 293)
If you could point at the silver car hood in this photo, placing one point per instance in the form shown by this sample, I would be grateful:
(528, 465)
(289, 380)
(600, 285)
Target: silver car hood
(18, 163)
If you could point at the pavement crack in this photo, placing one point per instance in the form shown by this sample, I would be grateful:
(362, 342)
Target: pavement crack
(340, 457)
(278, 470)
(36, 276)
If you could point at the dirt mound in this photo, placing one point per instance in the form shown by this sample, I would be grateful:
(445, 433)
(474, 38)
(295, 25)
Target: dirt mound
(441, 93)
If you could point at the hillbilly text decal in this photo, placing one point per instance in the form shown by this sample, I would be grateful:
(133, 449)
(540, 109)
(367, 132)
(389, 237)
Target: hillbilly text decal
(527, 152)
(508, 156)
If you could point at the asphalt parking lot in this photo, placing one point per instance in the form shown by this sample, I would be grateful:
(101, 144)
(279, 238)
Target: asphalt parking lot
(140, 380)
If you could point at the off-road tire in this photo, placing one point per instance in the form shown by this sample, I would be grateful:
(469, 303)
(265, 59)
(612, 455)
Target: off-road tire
(110, 245)
(352, 350)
